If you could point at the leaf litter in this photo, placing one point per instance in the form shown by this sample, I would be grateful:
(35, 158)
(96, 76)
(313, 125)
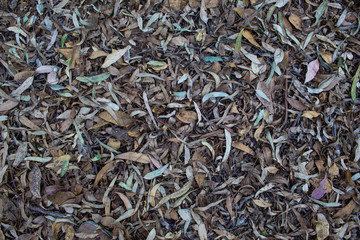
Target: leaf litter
(179, 119)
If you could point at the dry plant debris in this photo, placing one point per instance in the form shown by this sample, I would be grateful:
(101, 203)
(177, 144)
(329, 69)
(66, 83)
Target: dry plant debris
(179, 119)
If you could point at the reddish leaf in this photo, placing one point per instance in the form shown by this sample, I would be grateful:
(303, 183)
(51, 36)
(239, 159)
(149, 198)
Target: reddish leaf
(312, 69)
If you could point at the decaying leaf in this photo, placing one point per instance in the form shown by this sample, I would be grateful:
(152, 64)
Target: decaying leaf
(35, 181)
(134, 156)
(322, 227)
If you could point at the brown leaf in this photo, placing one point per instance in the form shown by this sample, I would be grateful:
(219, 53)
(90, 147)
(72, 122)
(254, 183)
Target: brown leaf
(345, 211)
(102, 172)
(296, 104)
(8, 105)
(28, 123)
(243, 147)
(266, 89)
(134, 156)
(244, 12)
(35, 181)
(348, 179)
(125, 120)
(179, 41)
(61, 197)
(295, 21)
(20, 153)
(248, 35)
(187, 116)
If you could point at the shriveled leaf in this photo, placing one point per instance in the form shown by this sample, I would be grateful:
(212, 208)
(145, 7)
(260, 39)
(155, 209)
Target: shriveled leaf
(35, 181)
(125, 200)
(127, 214)
(296, 21)
(320, 12)
(322, 227)
(243, 147)
(176, 194)
(102, 172)
(20, 154)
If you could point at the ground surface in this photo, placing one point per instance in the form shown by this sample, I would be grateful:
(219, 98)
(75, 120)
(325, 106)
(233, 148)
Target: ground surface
(179, 119)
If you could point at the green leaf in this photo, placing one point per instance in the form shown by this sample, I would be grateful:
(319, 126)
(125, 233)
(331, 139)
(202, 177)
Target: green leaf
(238, 41)
(94, 79)
(107, 147)
(64, 167)
(213, 59)
(38, 159)
(325, 204)
(155, 63)
(97, 157)
(354, 84)
(81, 139)
(63, 40)
(156, 173)
(320, 11)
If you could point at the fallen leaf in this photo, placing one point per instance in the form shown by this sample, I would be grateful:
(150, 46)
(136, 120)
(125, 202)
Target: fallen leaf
(187, 116)
(35, 181)
(114, 57)
(322, 227)
(310, 114)
(134, 156)
(295, 21)
(312, 69)
(296, 104)
(243, 147)
(248, 35)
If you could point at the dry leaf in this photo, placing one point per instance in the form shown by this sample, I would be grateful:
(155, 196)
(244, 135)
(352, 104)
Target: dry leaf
(125, 120)
(20, 153)
(310, 114)
(243, 147)
(35, 181)
(345, 211)
(322, 227)
(114, 57)
(102, 172)
(134, 156)
(296, 104)
(187, 116)
(295, 21)
(262, 203)
(248, 35)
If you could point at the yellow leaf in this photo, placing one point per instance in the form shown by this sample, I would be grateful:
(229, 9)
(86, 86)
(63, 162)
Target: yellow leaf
(248, 35)
(201, 35)
(272, 169)
(322, 227)
(310, 114)
(261, 203)
(327, 56)
(153, 193)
